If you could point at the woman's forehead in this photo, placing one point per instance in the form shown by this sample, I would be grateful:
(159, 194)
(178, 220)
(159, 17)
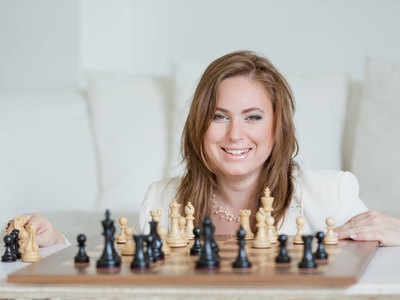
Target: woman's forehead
(242, 92)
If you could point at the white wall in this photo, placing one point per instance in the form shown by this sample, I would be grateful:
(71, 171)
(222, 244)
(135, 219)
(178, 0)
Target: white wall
(308, 36)
(39, 44)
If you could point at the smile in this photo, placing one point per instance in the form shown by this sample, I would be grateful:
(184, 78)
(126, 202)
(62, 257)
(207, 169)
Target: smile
(236, 153)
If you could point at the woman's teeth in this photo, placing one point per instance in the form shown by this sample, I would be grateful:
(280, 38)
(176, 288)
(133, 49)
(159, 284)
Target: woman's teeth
(237, 152)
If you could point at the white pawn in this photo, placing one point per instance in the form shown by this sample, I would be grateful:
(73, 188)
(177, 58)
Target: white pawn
(123, 224)
(299, 224)
(271, 230)
(31, 251)
(330, 237)
(129, 247)
(261, 239)
(245, 222)
(189, 211)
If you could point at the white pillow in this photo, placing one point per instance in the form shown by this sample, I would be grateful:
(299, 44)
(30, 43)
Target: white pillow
(129, 122)
(46, 156)
(320, 115)
(376, 159)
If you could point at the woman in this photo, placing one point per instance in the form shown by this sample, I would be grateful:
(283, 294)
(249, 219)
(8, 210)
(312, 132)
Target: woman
(239, 137)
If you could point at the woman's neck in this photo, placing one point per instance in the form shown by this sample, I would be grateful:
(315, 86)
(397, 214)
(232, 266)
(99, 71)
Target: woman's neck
(238, 192)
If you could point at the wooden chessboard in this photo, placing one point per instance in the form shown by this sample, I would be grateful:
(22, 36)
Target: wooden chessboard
(346, 263)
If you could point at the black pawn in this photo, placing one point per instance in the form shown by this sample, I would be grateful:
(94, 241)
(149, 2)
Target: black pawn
(16, 243)
(196, 248)
(207, 258)
(81, 256)
(139, 260)
(282, 256)
(157, 242)
(241, 260)
(109, 258)
(308, 261)
(320, 253)
(149, 249)
(8, 255)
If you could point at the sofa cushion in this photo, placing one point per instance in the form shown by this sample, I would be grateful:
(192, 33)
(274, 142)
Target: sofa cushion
(130, 128)
(46, 156)
(376, 160)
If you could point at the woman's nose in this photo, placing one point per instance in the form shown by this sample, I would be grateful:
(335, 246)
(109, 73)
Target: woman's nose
(235, 131)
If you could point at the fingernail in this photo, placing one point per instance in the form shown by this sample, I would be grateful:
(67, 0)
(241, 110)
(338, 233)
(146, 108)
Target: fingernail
(353, 236)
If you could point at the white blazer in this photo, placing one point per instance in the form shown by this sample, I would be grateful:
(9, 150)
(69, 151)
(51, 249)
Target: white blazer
(318, 195)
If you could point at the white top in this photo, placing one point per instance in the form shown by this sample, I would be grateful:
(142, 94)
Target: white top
(318, 195)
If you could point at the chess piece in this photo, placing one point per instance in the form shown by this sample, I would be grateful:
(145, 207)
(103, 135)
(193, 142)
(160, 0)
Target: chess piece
(139, 260)
(189, 211)
(261, 239)
(129, 248)
(271, 236)
(282, 256)
(109, 258)
(155, 216)
(81, 256)
(182, 227)
(245, 222)
(241, 260)
(19, 223)
(320, 253)
(196, 248)
(299, 224)
(123, 224)
(175, 238)
(16, 244)
(214, 245)
(330, 237)
(308, 261)
(157, 242)
(149, 249)
(31, 251)
(207, 257)
(8, 256)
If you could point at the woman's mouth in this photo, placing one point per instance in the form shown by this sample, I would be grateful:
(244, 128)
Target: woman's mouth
(236, 153)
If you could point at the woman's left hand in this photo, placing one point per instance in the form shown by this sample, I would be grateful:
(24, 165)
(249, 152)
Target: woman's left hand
(371, 226)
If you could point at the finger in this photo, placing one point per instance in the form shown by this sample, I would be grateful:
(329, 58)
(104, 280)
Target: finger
(365, 235)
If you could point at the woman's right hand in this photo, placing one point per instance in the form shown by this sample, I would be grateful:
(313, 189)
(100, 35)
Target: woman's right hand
(46, 233)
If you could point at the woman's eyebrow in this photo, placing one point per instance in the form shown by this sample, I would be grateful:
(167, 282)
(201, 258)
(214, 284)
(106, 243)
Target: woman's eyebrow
(243, 112)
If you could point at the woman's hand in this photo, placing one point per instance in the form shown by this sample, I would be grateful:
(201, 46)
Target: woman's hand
(46, 234)
(371, 226)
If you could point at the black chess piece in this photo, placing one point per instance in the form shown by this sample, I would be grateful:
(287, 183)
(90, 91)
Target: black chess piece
(16, 243)
(196, 248)
(139, 260)
(109, 258)
(207, 258)
(282, 256)
(241, 260)
(157, 242)
(308, 261)
(320, 253)
(8, 256)
(149, 249)
(214, 245)
(81, 256)
(13, 249)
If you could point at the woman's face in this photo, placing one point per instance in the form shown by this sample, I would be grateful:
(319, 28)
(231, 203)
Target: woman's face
(240, 137)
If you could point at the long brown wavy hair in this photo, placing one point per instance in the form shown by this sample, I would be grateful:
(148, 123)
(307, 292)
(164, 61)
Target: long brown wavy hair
(199, 181)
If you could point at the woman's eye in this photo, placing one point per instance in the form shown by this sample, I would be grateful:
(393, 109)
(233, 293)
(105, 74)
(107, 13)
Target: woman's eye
(254, 117)
(218, 117)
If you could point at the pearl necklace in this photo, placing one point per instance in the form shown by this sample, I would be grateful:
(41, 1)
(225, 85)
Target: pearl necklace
(223, 213)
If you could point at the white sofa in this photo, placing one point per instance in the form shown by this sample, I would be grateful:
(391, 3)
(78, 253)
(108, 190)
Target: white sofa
(75, 153)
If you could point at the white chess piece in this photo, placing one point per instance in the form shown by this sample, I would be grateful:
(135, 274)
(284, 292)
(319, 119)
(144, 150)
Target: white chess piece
(175, 238)
(129, 247)
(299, 224)
(261, 239)
(189, 211)
(123, 224)
(245, 222)
(330, 237)
(271, 236)
(31, 251)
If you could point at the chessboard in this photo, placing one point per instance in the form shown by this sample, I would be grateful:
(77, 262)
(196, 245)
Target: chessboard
(346, 263)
